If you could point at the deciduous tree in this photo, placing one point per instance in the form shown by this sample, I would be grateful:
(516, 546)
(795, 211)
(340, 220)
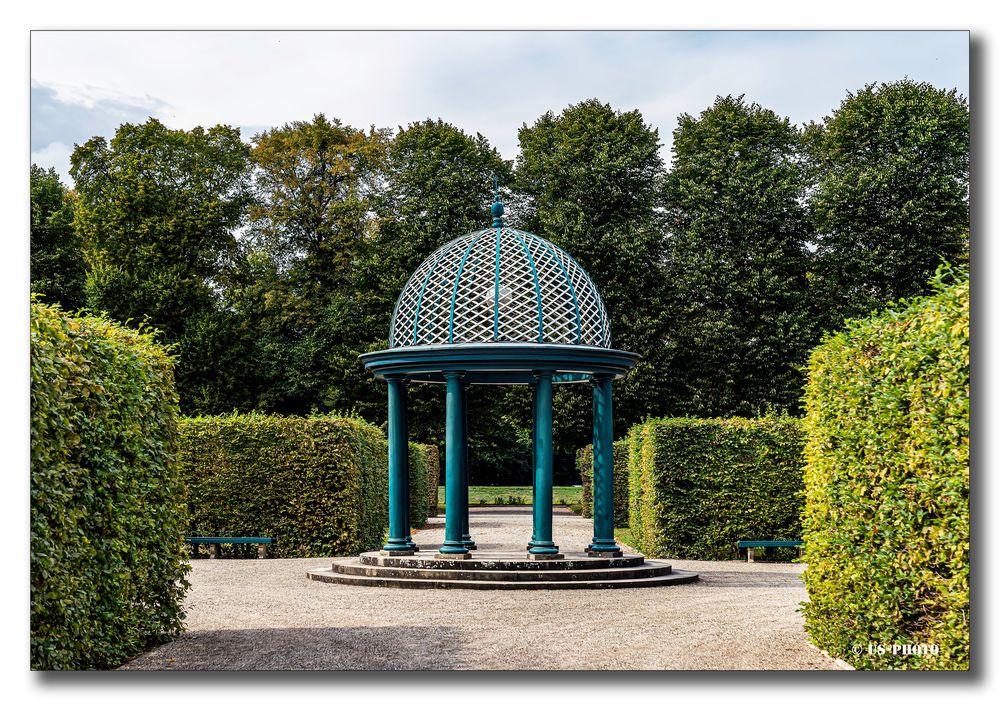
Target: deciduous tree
(891, 195)
(737, 257)
(57, 266)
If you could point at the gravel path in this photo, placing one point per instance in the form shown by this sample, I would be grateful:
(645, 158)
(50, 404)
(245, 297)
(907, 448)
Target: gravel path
(265, 614)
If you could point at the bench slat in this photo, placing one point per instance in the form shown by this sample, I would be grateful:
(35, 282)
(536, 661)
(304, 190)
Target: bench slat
(769, 543)
(200, 540)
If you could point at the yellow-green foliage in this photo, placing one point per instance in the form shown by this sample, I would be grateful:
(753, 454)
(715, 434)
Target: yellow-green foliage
(429, 456)
(423, 479)
(318, 484)
(887, 484)
(107, 574)
(696, 486)
(585, 466)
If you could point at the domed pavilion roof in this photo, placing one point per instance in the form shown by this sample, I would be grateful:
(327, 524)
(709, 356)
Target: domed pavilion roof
(499, 285)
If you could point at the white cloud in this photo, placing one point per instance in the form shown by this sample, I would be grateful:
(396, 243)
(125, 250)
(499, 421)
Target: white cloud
(54, 155)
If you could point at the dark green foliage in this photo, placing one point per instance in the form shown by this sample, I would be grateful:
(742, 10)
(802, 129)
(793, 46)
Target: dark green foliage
(589, 179)
(696, 486)
(57, 266)
(886, 519)
(317, 483)
(891, 196)
(437, 187)
(158, 209)
(423, 483)
(743, 322)
(585, 466)
(432, 462)
(107, 576)
(302, 288)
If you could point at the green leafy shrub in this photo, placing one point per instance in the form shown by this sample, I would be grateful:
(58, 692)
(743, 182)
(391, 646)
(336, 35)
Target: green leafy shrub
(887, 484)
(107, 574)
(696, 486)
(317, 484)
(585, 466)
(433, 461)
(423, 483)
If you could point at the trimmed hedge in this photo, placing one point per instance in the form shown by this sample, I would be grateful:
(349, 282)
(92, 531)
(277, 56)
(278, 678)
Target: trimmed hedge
(423, 476)
(887, 485)
(107, 572)
(430, 463)
(318, 484)
(585, 466)
(696, 486)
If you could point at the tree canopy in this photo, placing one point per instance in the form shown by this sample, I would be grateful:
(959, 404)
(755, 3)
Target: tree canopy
(891, 193)
(271, 265)
(738, 260)
(58, 270)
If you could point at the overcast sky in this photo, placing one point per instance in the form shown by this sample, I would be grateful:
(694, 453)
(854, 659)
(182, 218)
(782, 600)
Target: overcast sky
(87, 83)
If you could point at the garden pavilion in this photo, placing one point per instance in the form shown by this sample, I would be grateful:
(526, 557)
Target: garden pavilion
(499, 306)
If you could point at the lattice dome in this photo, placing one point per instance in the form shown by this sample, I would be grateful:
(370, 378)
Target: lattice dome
(499, 285)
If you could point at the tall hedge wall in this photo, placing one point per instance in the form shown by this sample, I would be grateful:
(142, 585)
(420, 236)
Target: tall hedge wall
(585, 466)
(887, 485)
(107, 574)
(696, 486)
(317, 484)
(430, 458)
(423, 476)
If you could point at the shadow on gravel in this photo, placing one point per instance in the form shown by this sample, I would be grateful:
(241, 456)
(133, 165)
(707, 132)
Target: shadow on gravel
(750, 580)
(357, 648)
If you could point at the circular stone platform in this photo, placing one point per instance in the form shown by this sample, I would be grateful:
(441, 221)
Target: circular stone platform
(501, 570)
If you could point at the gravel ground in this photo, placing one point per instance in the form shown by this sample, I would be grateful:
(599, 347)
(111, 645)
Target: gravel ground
(265, 614)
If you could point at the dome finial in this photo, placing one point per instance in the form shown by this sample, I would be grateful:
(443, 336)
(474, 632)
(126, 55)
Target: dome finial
(496, 209)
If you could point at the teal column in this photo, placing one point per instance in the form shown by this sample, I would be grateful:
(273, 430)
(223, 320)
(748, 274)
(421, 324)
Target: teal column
(408, 519)
(467, 540)
(399, 493)
(534, 485)
(603, 544)
(454, 448)
(542, 509)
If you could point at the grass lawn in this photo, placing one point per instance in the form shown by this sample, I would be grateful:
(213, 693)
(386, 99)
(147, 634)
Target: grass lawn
(480, 496)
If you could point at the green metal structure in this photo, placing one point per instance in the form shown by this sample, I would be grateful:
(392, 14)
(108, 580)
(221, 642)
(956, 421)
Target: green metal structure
(499, 306)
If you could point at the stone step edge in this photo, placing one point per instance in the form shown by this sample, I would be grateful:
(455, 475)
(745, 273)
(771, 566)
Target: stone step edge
(329, 577)
(651, 568)
(373, 559)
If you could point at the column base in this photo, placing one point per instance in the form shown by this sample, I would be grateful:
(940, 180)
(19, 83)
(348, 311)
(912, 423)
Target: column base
(544, 548)
(545, 556)
(398, 545)
(453, 550)
(603, 548)
(469, 543)
(452, 556)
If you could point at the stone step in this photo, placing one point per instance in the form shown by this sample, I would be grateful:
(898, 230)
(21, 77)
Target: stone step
(331, 577)
(651, 568)
(500, 560)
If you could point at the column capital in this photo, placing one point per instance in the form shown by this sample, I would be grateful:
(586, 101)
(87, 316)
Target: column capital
(448, 374)
(601, 377)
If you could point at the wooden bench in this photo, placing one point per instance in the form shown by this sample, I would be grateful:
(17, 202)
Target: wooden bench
(751, 544)
(216, 544)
